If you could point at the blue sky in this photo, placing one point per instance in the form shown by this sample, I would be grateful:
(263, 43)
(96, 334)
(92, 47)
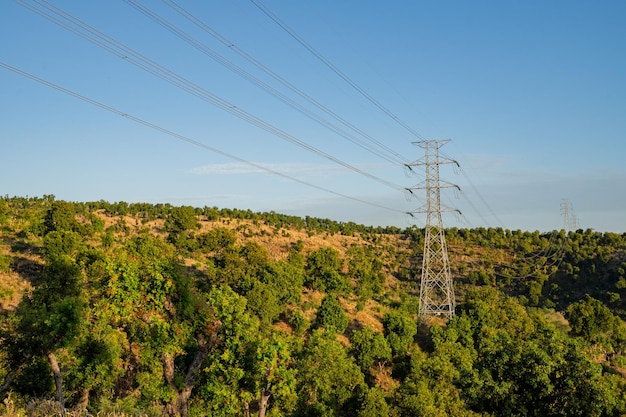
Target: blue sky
(532, 95)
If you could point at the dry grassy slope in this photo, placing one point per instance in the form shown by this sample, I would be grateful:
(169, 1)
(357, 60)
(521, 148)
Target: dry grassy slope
(18, 269)
(276, 241)
(12, 287)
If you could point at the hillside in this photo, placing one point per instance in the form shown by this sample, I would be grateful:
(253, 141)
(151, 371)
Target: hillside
(142, 309)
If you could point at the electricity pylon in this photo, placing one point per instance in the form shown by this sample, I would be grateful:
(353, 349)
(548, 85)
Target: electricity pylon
(570, 222)
(436, 289)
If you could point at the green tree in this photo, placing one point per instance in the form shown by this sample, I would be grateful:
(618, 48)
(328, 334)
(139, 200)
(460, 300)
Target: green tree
(53, 315)
(323, 271)
(271, 374)
(331, 315)
(216, 240)
(429, 390)
(223, 388)
(264, 302)
(171, 326)
(62, 244)
(240, 268)
(180, 225)
(507, 362)
(60, 217)
(4, 211)
(366, 269)
(369, 348)
(592, 320)
(399, 329)
(94, 364)
(298, 322)
(373, 403)
(286, 278)
(329, 379)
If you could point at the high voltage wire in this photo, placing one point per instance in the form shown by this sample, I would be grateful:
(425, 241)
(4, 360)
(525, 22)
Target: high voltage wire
(358, 88)
(493, 213)
(251, 78)
(333, 67)
(119, 49)
(84, 30)
(268, 71)
(380, 106)
(185, 138)
(189, 16)
(341, 74)
(556, 256)
(482, 199)
(353, 84)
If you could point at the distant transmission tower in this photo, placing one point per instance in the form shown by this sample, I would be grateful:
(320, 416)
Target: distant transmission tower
(436, 290)
(570, 222)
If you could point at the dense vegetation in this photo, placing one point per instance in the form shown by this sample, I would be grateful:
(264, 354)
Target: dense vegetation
(139, 309)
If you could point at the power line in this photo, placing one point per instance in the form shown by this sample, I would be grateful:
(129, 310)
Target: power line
(185, 138)
(328, 63)
(119, 49)
(482, 199)
(91, 34)
(222, 60)
(550, 258)
(334, 68)
(480, 196)
(353, 84)
(268, 71)
(252, 79)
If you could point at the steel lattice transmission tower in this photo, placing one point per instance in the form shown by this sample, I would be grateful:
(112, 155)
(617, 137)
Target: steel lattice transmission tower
(436, 289)
(570, 222)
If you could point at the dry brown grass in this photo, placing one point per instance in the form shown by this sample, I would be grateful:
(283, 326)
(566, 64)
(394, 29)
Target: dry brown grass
(370, 317)
(343, 340)
(12, 288)
(313, 299)
(558, 320)
(384, 380)
(277, 241)
(50, 408)
(281, 326)
(15, 282)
